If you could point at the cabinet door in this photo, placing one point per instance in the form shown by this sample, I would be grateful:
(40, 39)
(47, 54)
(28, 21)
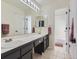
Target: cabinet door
(27, 55)
(14, 55)
(26, 48)
(47, 42)
(44, 43)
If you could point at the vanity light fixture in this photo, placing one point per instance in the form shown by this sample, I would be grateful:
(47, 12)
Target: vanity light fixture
(31, 4)
(26, 1)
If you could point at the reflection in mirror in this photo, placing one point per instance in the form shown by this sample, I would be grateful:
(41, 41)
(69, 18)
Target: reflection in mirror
(41, 21)
(18, 18)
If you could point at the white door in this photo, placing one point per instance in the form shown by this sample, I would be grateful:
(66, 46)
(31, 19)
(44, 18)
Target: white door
(27, 25)
(61, 28)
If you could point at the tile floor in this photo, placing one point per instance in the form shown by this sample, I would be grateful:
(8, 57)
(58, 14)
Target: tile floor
(57, 53)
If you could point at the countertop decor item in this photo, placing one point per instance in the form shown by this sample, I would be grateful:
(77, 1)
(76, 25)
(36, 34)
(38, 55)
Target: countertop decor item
(5, 28)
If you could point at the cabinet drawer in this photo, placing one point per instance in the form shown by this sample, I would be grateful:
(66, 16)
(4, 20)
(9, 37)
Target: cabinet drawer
(37, 42)
(14, 55)
(26, 48)
(28, 55)
(45, 37)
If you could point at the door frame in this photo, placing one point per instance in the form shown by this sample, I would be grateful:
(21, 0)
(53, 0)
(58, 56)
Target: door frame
(67, 11)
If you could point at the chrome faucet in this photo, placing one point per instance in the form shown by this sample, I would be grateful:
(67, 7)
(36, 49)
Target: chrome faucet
(8, 40)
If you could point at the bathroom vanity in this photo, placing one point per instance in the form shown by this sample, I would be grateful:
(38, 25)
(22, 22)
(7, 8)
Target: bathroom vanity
(23, 48)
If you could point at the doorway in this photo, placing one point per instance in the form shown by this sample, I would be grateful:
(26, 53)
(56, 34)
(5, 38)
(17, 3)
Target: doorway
(61, 29)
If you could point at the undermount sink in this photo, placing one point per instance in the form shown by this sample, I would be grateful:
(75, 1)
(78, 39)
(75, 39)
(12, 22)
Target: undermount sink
(6, 45)
(11, 44)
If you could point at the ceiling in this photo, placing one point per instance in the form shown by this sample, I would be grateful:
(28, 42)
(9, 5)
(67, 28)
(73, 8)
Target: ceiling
(55, 3)
(44, 2)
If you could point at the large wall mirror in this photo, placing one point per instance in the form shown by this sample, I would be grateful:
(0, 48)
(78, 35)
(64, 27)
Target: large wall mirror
(41, 21)
(15, 19)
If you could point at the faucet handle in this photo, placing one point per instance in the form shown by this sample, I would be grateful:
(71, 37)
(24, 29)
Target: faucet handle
(8, 40)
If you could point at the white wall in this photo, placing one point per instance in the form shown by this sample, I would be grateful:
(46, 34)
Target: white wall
(49, 11)
(73, 14)
(14, 16)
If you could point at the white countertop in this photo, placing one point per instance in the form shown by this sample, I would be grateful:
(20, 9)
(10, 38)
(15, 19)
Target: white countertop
(18, 41)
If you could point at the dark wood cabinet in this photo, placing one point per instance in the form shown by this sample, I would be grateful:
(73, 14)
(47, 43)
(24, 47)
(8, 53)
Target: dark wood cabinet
(38, 41)
(46, 42)
(25, 48)
(27, 55)
(38, 46)
(22, 52)
(12, 55)
(25, 51)
(42, 46)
